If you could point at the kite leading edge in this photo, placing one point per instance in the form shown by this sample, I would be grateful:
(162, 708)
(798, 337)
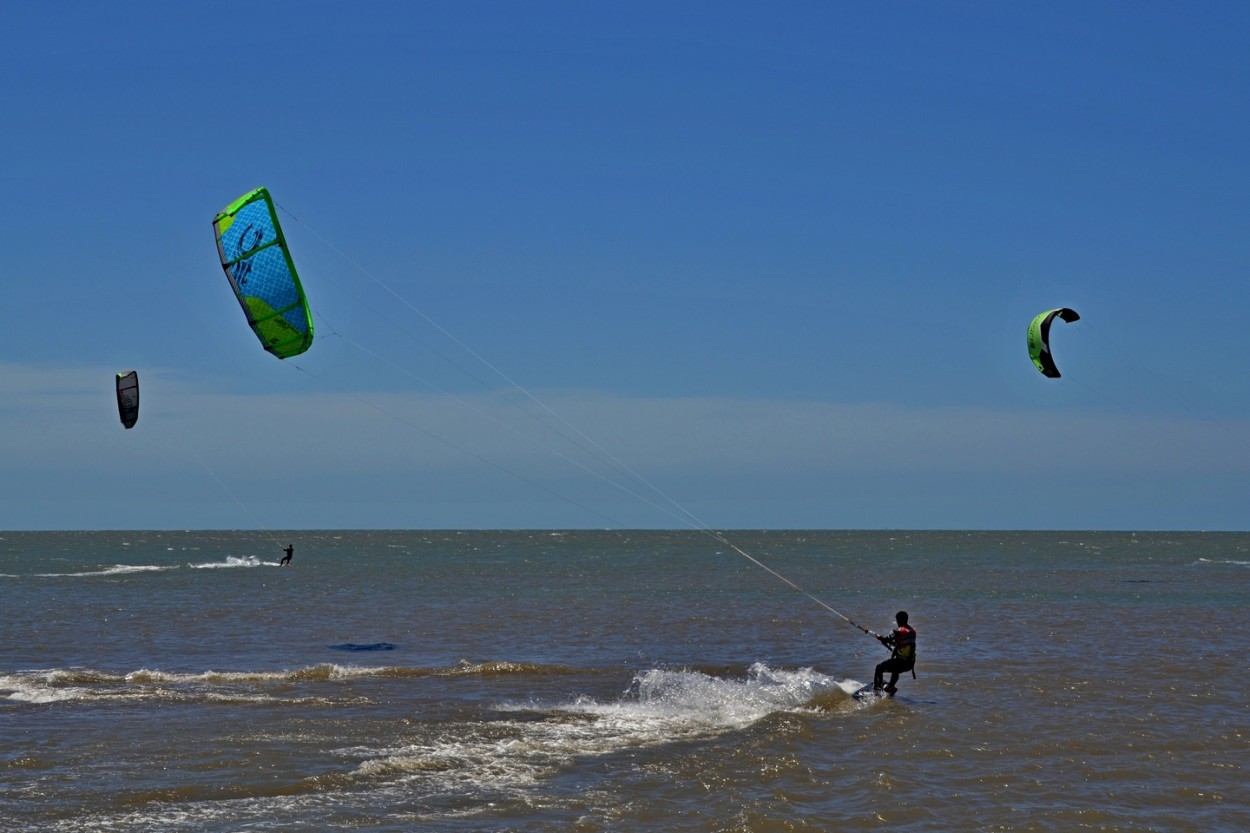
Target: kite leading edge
(258, 265)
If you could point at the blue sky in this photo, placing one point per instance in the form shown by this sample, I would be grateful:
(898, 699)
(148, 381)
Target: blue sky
(616, 264)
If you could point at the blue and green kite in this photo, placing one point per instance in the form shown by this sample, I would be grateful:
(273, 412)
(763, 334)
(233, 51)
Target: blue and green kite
(258, 264)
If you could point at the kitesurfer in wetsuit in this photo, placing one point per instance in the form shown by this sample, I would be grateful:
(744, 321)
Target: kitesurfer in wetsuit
(903, 659)
(286, 559)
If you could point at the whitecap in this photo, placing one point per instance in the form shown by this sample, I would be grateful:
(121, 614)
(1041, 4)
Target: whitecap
(116, 569)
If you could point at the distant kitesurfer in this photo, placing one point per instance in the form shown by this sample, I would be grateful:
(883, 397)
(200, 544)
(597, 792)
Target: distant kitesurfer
(290, 551)
(903, 659)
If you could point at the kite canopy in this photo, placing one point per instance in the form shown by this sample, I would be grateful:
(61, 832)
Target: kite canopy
(1039, 339)
(256, 260)
(128, 398)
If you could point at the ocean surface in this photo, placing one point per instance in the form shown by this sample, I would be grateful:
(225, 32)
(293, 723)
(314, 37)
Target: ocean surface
(621, 681)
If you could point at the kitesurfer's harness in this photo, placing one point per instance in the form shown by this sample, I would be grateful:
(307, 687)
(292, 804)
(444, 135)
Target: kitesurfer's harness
(902, 644)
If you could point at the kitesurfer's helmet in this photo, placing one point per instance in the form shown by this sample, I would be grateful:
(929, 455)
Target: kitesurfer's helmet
(901, 617)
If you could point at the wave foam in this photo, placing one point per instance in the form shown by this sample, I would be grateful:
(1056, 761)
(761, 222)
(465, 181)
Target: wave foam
(234, 561)
(660, 707)
(115, 570)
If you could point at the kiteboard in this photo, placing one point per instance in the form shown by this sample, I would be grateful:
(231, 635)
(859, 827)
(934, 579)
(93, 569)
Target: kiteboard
(869, 693)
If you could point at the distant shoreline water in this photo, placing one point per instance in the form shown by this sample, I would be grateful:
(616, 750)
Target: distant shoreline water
(641, 680)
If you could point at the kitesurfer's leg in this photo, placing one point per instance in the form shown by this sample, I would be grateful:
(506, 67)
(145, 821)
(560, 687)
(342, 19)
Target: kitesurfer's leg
(893, 667)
